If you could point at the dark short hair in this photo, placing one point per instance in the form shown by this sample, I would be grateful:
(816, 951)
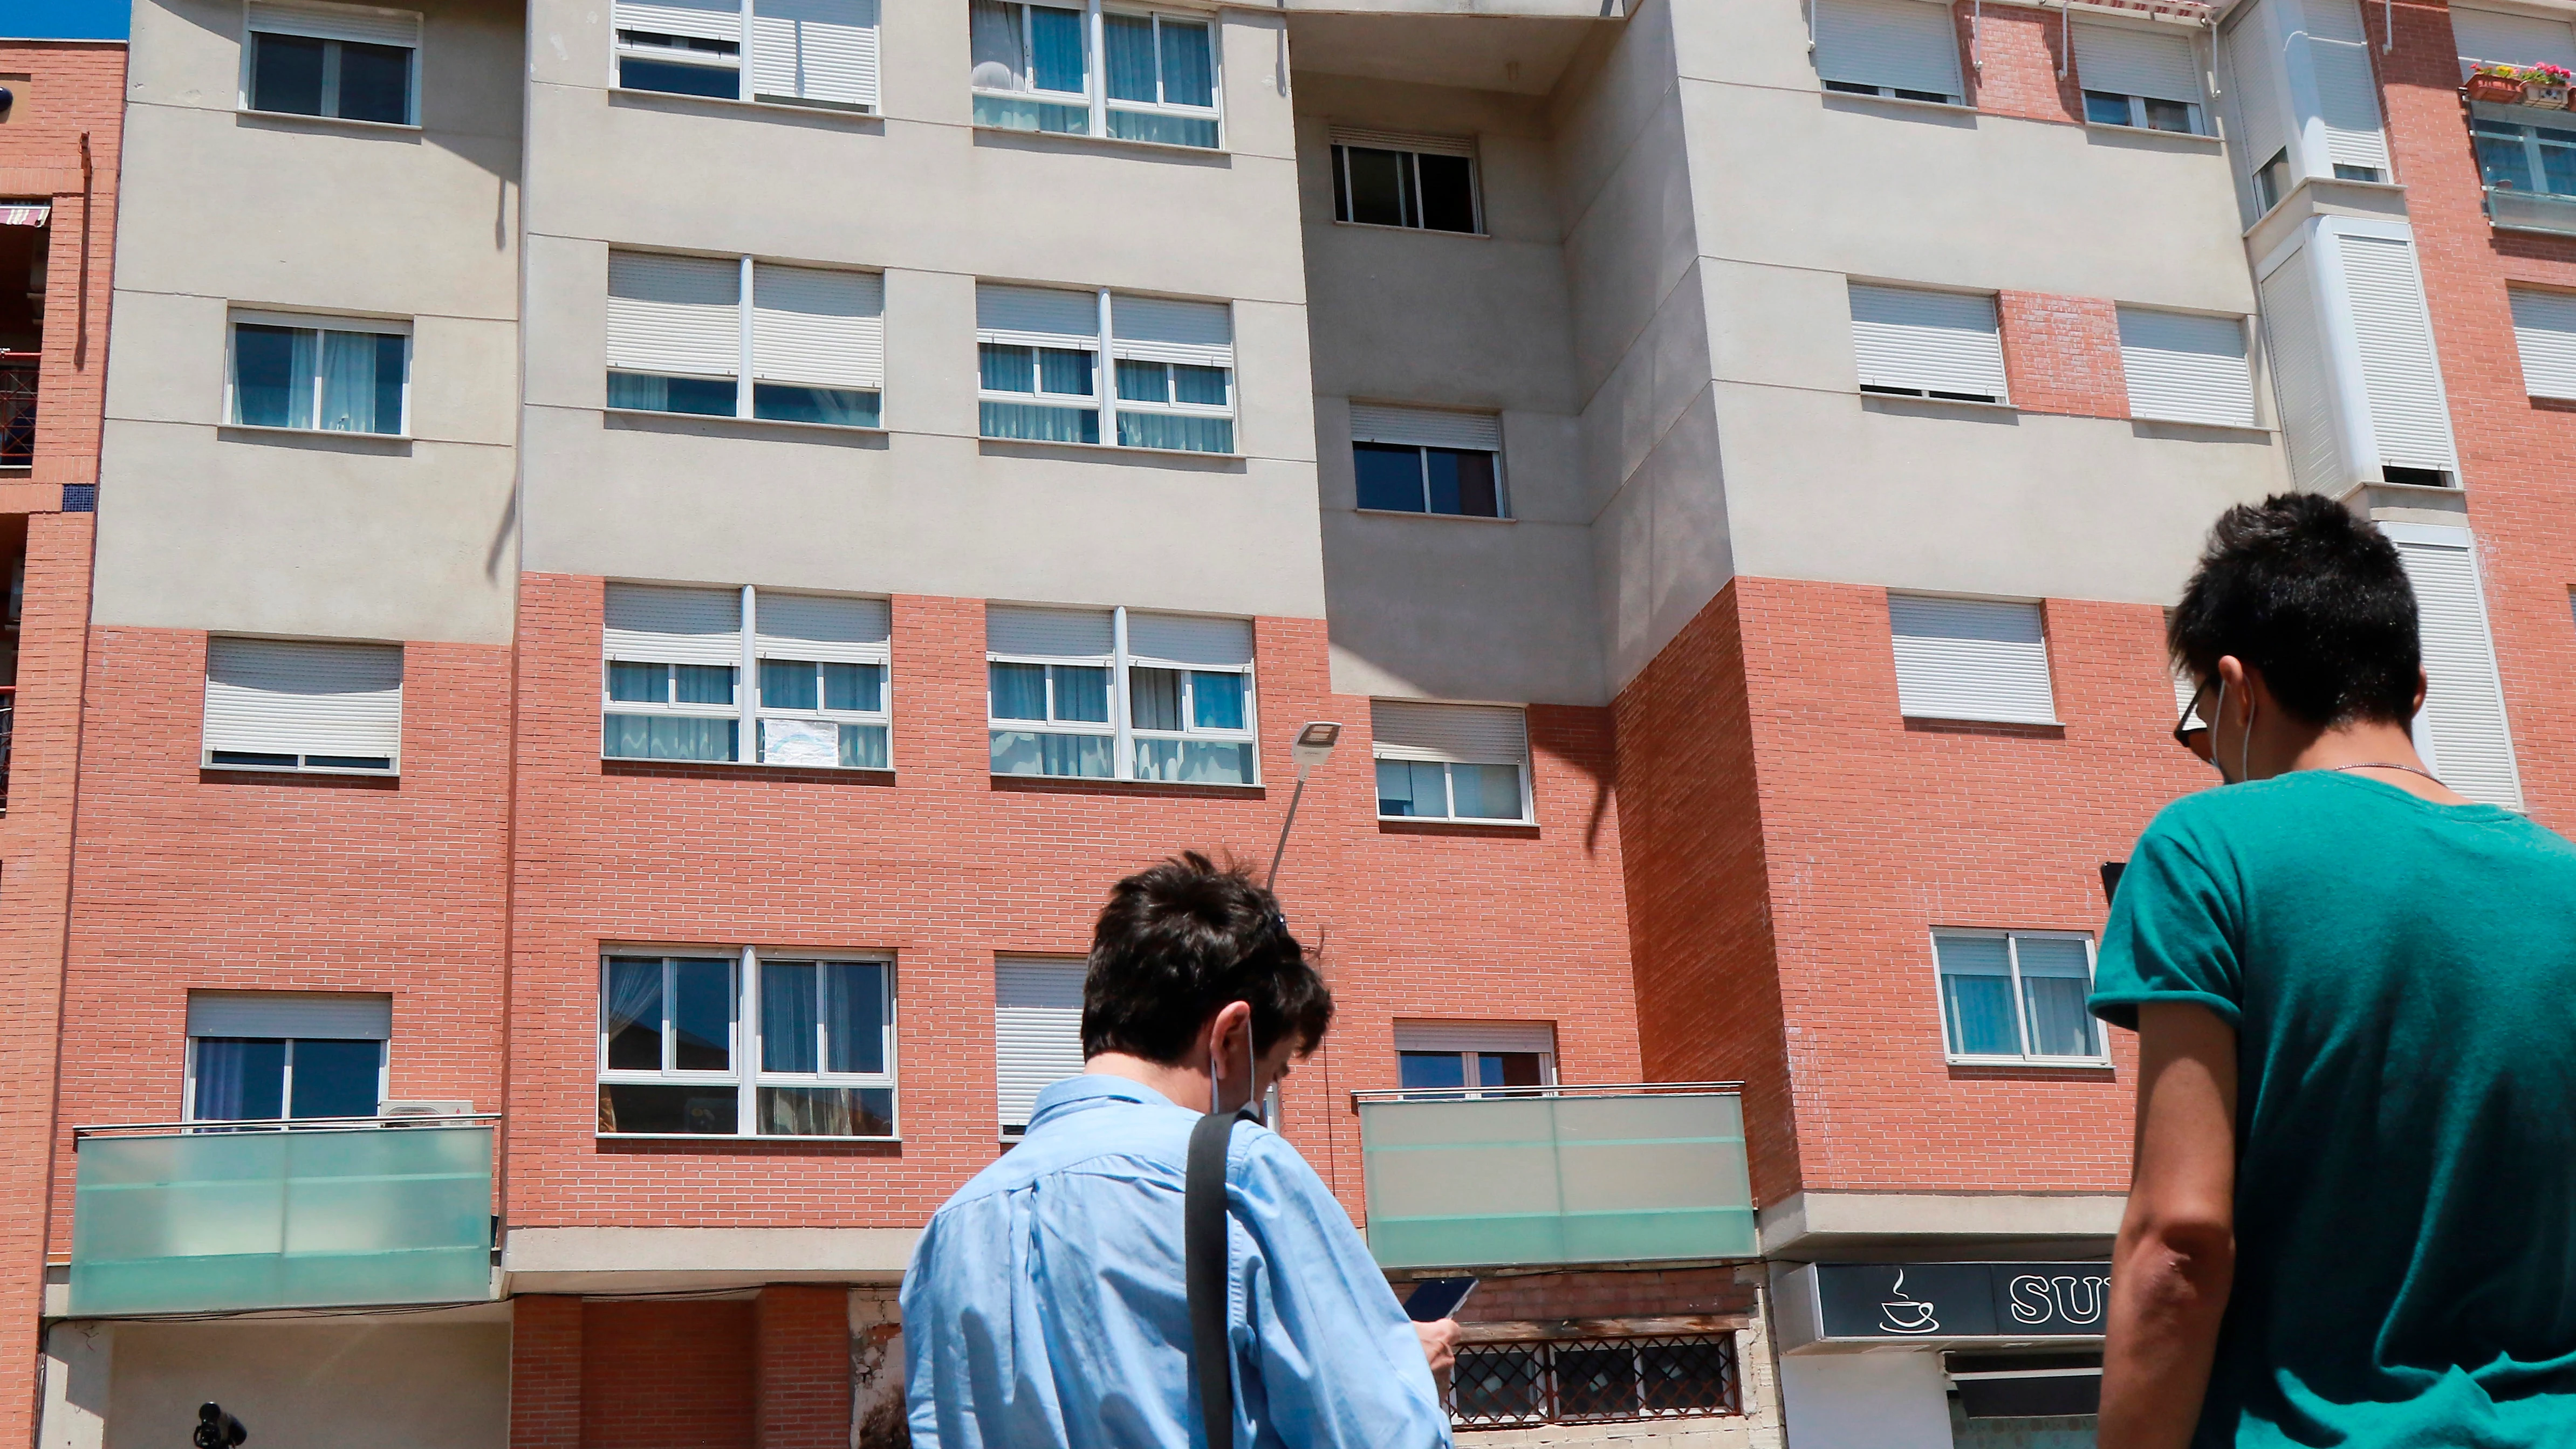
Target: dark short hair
(1176, 944)
(2313, 596)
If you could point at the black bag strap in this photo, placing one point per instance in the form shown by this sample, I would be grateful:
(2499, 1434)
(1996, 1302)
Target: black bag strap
(1206, 1271)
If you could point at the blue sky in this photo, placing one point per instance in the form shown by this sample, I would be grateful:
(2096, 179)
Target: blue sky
(64, 20)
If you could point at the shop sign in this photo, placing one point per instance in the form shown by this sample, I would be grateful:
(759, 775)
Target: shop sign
(1962, 1300)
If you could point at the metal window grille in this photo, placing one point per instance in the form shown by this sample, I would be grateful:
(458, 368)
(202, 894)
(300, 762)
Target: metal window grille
(1594, 1380)
(17, 413)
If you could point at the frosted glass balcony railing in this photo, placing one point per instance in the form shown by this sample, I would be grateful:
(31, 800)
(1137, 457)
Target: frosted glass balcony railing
(2531, 210)
(167, 1219)
(1542, 1176)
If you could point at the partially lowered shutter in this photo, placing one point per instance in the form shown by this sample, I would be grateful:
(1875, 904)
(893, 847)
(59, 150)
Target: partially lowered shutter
(814, 325)
(2186, 368)
(291, 697)
(2347, 92)
(1970, 659)
(821, 626)
(2500, 39)
(647, 623)
(1086, 635)
(2461, 731)
(2403, 381)
(674, 314)
(1403, 141)
(815, 50)
(365, 24)
(1036, 316)
(1189, 639)
(1460, 734)
(2254, 69)
(2544, 331)
(312, 1015)
(1906, 45)
(1475, 1036)
(1927, 341)
(2137, 62)
(2303, 385)
(1037, 1032)
(1160, 329)
(1426, 427)
(698, 19)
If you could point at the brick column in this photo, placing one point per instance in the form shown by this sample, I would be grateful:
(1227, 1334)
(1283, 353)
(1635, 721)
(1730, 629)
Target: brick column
(801, 1368)
(545, 1372)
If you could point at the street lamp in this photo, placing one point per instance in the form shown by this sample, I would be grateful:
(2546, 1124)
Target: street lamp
(1314, 745)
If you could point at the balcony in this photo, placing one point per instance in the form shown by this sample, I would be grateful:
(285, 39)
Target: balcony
(1556, 1176)
(180, 1218)
(17, 411)
(2511, 210)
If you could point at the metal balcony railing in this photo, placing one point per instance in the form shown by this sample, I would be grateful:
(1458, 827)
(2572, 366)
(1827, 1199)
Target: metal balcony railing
(1556, 1176)
(186, 1217)
(17, 409)
(8, 723)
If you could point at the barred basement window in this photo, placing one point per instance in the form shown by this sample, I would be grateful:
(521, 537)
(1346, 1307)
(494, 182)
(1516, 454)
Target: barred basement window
(1594, 1381)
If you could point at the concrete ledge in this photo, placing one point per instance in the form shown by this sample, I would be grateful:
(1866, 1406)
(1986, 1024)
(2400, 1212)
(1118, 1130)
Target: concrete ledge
(1809, 1225)
(1532, 9)
(625, 1260)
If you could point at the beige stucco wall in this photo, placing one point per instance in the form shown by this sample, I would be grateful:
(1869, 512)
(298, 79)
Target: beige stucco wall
(389, 1382)
(207, 527)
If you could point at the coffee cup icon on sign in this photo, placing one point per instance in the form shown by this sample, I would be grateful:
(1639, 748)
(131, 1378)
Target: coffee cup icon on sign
(1904, 1313)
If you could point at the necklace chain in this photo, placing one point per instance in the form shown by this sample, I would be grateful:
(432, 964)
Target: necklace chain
(2409, 769)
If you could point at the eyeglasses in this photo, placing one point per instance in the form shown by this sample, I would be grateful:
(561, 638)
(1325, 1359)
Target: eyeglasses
(2190, 731)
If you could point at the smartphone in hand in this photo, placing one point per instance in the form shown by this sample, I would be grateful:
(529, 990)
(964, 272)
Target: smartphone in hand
(1437, 1298)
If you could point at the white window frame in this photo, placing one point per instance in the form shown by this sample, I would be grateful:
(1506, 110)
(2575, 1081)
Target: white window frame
(1107, 350)
(1094, 95)
(207, 749)
(2196, 114)
(746, 377)
(331, 67)
(746, 1077)
(317, 323)
(739, 63)
(1121, 730)
(1423, 429)
(286, 1091)
(1412, 149)
(1448, 778)
(1190, 730)
(747, 709)
(2101, 1056)
(1470, 1055)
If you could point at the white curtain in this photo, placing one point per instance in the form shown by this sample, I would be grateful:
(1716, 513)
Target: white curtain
(348, 382)
(1000, 63)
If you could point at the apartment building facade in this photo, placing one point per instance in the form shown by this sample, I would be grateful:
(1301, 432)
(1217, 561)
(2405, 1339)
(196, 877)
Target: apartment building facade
(655, 560)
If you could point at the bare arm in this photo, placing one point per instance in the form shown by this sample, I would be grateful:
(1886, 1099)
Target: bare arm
(2176, 1255)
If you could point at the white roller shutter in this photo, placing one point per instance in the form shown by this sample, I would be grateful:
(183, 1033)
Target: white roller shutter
(1037, 1032)
(365, 24)
(2186, 369)
(821, 626)
(1934, 341)
(1475, 1036)
(1080, 634)
(2347, 92)
(647, 623)
(1906, 45)
(815, 325)
(2544, 331)
(674, 314)
(1426, 427)
(2137, 62)
(1189, 639)
(1972, 659)
(2398, 370)
(2461, 731)
(2502, 39)
(315, 1015)
(2303, 387)
(291, 697)
(701, 19)
(815, 50)
(1159, 329)
(1036, 316)
(1401, 141)
(2254, 66)
(1460, 734)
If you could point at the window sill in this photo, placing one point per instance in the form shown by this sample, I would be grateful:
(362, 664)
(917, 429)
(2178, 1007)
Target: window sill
(1955, 107)
(1938, 402)
(756, 769)
(738, 1139)
(2080, 1064)
(1121, 143)
(293, 772)
(2199, 426)
(1439, 825)
(1087, 784)
(767, 107)
(2211, 143)
(1415, 230)
(1439, 517)
(1110, 447)
(332, 122)
(834, 429)
(337, 434)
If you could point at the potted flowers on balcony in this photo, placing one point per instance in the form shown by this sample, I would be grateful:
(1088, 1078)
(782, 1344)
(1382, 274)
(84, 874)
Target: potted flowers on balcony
(2498, 84)
(2545, 86)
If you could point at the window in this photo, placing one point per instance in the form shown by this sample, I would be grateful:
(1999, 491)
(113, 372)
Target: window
(673, 1030)
(2139, 77)
(1427, 460)
(2513, 156)
(1912, 343)
(2461, 731)
(2272, 180)
(1905, 49)
(1454, 1055)
(1033, 72)
(674, 663)
(1450, 761)
(2544, 331)
(279, 704)
(1424, 182)
(2017, 996)
(1039, 358)
(803, 52)
(1037, 1033)
(1184, 715)
(1970, 659)
(1594, 1380)
(265, 1056)
(336, 376)
(351, 62)
(809, 349)
(2185, 368)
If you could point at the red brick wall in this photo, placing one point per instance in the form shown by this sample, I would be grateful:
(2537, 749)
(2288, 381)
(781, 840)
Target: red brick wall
(801, 1371)
(946, 869)
(545, 1372)
(2021, 51)
(668, 1375)
(2062, 354)
(77, 88)
(1666, 1293)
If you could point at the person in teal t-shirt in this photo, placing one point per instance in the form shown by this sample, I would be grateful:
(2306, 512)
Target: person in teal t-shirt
(2353, 1215)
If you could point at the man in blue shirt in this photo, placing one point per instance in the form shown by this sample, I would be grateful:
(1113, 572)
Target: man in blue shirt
(1046, 1308)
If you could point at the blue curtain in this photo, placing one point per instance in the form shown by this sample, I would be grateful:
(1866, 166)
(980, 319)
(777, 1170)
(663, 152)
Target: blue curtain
(1216, 700)
(854, 1016)
(1019, 690)
(1181, 434)
(273, 376)
(1081, 692)
(787, 1016)
(1976, 996)
(1128, 41)
(1189, 78)
(788, 684)
(1031, 423)
(854, 686)
(1055, 45)
(1065, 371)
(666, 737)
(1148, 382)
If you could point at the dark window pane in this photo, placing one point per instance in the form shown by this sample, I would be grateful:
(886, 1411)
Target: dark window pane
(1596, 1383)
(1081, 692)
(787, 1016)
(389, 383)
(286, 74)
(240, 1079)
(702, 1015)
(2168, 116)
(633, 1013)
(853, 1016)
(1507, 1069)
(2504, 162)
(1381, 186)
(375, 83)
(639, 683)
(1499, 1386)
(638, 74)
(1412, 788)
(787, 403)
(1064, 370)
(1019, 691)
(1008, 369)
(702, 396)
(265, 388)
(1441, 467)
(336, 1078)
(1692, 1376)
(1851, 88)
(257, 759)
(826, 1112)
(348, 762)
(1478, 497)
(1341, 189)
(1448, 194)
(854, 686)
(2105, 109)
(788, 684)
(695, 1111)
(1154, 698)
(1148, 382)
(1428, 1070)
(1390, 477)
